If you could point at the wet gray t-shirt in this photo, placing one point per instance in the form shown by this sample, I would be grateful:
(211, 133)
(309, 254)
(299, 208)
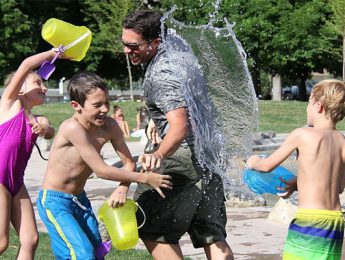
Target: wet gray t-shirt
(162, 90)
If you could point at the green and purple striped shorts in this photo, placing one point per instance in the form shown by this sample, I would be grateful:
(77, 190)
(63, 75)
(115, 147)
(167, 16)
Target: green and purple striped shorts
(315, 234)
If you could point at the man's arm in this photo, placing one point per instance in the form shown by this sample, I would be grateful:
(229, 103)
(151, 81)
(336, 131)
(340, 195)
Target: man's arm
(177, 132)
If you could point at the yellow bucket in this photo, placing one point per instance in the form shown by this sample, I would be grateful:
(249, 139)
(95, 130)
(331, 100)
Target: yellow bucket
(121, 224)
(75, 39)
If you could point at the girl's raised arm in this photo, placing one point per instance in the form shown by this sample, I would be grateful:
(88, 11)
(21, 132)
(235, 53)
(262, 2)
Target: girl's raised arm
(11, 91)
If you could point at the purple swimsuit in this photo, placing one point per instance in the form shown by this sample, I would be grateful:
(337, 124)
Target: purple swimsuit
(16, 142)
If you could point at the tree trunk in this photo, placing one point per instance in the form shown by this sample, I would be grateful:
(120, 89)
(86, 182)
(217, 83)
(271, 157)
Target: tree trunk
(256, 81)
(301, 79)
(276, 88)
(130, 76)
(344, 57)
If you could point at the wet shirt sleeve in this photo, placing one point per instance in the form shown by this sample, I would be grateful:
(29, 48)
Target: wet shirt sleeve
(166, 88)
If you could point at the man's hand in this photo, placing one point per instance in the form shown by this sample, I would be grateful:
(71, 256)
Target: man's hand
(150, 161)
(152, 133)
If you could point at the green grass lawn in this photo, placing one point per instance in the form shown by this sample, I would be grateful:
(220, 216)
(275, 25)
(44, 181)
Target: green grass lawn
(284, 116)
(280, 116)
(44, 252)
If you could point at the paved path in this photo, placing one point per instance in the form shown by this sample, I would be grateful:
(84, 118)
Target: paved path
(250, 234)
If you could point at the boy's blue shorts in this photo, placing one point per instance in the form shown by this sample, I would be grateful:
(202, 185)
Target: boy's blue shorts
(71, 224)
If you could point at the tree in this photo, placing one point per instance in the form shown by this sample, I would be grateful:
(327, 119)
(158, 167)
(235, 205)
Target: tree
(256, 24)
(298, 46)
(105, 19)
(190, 11)
(338, 24)
(282, 37)
(15, 37)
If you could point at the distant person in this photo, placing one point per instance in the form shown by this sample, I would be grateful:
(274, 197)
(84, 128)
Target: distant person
(317, 230)
(62, 203)
(119, 116)
(19, 129)
(142, 118)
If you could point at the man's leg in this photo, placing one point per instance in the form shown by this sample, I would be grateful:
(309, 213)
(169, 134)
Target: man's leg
(164, 251)
(207, 228)
(219, 250)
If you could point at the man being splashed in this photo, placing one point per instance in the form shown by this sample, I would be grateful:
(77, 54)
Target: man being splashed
(196, 203)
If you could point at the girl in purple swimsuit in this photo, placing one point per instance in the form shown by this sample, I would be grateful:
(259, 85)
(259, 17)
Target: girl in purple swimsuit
(19, 129)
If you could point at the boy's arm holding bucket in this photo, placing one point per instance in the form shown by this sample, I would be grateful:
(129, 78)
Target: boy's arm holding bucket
(119, 196)
(291, 143)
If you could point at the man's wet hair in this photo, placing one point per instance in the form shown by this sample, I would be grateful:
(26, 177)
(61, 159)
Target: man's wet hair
(83, 84)
(144, 22)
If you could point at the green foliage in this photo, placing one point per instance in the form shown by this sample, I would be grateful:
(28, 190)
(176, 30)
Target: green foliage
(105, 17)
(190, 11)
(338, 18)
(337, 23)
(291, 38)
(15, 31)
(105, 20)
(265, 84)
(106, 52)
(282, 37)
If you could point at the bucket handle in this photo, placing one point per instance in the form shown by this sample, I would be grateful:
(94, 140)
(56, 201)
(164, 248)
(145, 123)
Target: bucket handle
(76, 41)
(142, 211)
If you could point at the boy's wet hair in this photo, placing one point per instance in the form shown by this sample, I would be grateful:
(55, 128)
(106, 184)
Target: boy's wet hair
(331, 93)
(83, 84)
(144, 22)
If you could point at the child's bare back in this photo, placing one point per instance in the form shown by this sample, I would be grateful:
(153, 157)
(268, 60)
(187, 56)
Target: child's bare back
(321, 150)
(321, 168)
(317, 229)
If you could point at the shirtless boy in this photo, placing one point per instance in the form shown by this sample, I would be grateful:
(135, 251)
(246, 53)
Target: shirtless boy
(317, 230)
(75, 154)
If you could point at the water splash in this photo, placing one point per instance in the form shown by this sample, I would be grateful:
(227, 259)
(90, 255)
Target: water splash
(219, 93)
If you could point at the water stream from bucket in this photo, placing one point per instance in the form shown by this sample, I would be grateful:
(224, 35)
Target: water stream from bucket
(220, 96)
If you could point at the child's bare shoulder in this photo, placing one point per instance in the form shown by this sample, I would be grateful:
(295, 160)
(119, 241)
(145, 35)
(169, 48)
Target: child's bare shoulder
(301, 132)
(71, 126)
(110, 123)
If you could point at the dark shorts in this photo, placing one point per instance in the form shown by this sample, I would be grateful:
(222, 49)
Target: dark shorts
(194, 205)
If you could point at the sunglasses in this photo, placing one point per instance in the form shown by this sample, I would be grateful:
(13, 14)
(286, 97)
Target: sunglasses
(134, 46)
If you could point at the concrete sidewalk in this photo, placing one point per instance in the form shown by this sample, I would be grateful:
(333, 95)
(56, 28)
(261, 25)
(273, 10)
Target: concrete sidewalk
(250, 234)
